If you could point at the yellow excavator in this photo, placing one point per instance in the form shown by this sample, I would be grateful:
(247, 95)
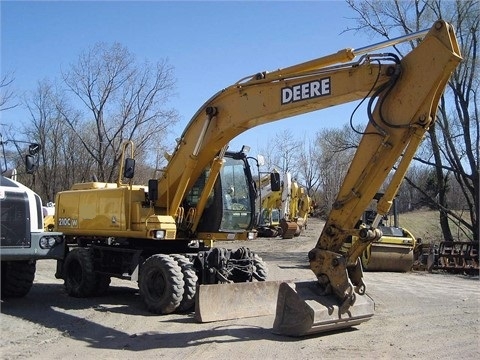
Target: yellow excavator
(162, 234)
(301, 206)
(269, 202)
(285, 208)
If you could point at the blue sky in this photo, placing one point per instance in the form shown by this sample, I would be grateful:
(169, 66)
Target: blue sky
(211, 45)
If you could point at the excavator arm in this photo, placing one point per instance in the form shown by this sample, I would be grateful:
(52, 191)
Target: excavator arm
(405, 109)
(403, 99)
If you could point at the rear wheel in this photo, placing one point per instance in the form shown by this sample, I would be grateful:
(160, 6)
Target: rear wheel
(190, 282)
(161, 284)
(79, 274)
(17, 278)
(260, 269)
(247, 266)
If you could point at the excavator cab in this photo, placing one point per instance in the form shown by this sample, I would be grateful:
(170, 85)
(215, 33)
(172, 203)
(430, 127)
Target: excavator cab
(230, 207)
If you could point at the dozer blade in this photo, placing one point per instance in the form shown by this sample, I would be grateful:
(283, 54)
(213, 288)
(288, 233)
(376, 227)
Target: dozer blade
(237, 300)
(302, 311)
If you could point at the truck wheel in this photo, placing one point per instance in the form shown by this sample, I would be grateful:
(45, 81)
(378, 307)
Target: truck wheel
(17, 278)
(260, 269)
(161, 284)
(190, 279)
(80, 277)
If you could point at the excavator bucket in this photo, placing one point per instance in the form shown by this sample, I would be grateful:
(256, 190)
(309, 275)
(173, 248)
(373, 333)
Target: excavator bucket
(237, 300)
(301, 310)
(298, 307)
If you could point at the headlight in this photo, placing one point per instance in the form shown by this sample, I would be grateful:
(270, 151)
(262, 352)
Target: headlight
(159, 234)
(47, 242)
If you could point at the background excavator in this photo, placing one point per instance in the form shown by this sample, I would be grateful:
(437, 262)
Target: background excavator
(284, 210)
(153, 234)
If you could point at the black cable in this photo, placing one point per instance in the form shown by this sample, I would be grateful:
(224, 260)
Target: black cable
(388, 86)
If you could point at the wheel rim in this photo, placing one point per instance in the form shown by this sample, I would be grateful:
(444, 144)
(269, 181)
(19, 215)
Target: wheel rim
(156, 284)
(75, 273)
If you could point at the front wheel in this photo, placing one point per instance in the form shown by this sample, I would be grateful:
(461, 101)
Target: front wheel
(17, 278)
(161, 284)
(79, 274)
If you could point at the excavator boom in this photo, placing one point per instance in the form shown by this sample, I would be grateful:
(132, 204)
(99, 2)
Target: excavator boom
(404, 111)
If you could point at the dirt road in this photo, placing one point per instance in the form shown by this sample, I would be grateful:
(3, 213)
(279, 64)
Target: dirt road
(418, 315)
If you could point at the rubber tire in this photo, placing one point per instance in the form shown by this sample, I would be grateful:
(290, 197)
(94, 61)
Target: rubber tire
(102, 284)
(17, 278)
(190, 279)
(260, 268)
(161, 284)
(79, 274)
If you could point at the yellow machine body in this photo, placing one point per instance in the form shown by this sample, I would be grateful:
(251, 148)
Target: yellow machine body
(115, 211)
(390, 253)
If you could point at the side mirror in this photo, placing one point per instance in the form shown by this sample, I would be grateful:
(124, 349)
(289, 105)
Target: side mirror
(129, 169)
(275, 181)
(30, 164)
(152, 189)
(33, 149)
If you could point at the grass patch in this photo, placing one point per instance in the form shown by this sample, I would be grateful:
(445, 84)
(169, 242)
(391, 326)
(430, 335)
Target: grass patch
(425, 224)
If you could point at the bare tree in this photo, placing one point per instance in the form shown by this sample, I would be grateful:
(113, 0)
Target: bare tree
(7, 95)
(269, 154)
(308, 170)
(122, 100)
(283, 152)
(336, 148)
(12, 147)
(454, 140)
(63, 161)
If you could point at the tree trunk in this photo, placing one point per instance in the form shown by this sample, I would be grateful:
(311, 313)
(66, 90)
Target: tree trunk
(441, 186)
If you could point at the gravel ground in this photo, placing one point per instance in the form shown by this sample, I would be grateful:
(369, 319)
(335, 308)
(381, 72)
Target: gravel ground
(417, 315)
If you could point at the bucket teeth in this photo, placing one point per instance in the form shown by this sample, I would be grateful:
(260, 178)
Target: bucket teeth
(302, 311)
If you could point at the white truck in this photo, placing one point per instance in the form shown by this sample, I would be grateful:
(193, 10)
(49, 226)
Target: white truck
(23, 240)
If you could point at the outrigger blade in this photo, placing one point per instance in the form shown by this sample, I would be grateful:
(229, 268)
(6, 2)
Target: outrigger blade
(235, 301)
(301, 310)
